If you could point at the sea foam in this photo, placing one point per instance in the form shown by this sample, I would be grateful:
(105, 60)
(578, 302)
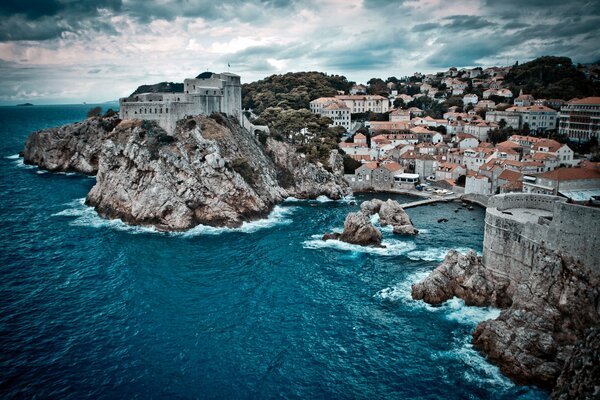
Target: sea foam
(392, 247)
(88, 217)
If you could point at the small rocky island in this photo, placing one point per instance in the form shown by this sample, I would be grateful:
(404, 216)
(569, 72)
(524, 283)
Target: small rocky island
(209, 171)
(358, 228)
(541, 266)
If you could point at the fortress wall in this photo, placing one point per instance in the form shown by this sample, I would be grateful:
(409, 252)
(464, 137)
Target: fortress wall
(524, 200)
(232, 99)
(575, 230)
(510, 245)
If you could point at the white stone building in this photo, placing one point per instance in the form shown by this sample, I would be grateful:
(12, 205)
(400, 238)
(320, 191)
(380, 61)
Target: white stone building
(205, 94)
(580, 119)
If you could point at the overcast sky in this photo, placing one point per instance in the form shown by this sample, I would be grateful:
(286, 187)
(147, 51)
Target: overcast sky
(69, 51)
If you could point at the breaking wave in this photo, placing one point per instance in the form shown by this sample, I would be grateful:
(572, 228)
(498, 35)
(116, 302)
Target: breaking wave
(85, 216)
(392, 247)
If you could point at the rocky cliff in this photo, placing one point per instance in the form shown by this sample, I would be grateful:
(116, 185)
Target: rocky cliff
(210, 171)
(580, 377)
(74, 147)
(541, 320)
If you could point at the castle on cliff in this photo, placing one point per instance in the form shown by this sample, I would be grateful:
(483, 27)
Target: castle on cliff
(205, 94)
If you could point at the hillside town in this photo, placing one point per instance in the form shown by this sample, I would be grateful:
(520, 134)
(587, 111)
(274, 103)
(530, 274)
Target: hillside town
(490, 141)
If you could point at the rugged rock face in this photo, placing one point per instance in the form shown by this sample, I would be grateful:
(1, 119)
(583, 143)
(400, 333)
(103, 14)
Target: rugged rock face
(74, 147)
(211, 171)
(358, 229)
(391, 213)
(464, 276)
(543, 317)
(580, 377)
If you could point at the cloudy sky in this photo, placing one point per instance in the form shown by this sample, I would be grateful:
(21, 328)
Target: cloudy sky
(69, 51)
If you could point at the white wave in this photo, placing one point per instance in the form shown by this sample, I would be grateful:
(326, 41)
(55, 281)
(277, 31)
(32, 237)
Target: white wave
(13, 157)
(434, 253)
(458, 311)
(392, 248)
(20, 162)
(279, 216)
(323, 199)
(402, 290)
(291, 199)
(454, 309)
(41, 172)
(476, 369)
(87, 217)
(348, 199)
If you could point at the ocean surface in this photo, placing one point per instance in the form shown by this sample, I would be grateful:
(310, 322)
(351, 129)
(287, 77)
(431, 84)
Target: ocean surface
(95, 309)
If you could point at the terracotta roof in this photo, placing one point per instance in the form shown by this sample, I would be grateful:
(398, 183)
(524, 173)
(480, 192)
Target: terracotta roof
(552, 145)
(509, 175)
(570, 174)
(359, 136)
(587, 100)
(543, 157)
(392, 166)
(372, 165)
(531, 108)
(508, 144)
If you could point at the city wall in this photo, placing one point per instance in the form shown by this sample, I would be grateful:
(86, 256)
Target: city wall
(511, 242)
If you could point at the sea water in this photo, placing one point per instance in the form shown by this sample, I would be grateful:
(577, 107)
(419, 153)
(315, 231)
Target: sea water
(97, 309)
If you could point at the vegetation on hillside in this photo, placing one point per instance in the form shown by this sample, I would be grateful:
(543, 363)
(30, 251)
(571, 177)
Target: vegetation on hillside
(292, 90)
(168, 87)
(550, 78)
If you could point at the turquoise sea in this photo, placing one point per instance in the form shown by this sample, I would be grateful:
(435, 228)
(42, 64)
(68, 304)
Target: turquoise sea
(95, 309)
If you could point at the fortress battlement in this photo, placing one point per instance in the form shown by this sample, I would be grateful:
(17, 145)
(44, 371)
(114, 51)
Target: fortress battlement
(205, 94)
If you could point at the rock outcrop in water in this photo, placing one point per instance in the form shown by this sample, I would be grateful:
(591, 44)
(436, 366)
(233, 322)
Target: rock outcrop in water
(464, 276)
(74, 147)
(358, 228)
(549, 299)
(541, 320)
(210, 171)
(390, 213)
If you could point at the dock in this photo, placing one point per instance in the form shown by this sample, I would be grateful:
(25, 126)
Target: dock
(430, 201)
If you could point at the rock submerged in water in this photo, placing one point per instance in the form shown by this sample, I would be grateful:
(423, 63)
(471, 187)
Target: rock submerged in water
(210, 171)
(543, 315)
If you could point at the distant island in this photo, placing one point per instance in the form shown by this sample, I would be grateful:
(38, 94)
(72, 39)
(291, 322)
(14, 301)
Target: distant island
(25, 105)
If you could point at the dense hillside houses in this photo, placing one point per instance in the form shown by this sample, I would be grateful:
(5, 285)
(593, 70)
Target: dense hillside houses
(460, 128)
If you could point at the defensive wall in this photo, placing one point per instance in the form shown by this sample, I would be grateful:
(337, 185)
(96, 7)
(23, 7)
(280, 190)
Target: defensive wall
(518, 225)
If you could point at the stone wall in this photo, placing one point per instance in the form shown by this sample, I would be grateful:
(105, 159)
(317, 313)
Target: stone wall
(511, 243)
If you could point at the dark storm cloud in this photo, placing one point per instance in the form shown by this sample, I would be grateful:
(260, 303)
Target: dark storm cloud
(48, 19)
(515, 28)
(42, 20)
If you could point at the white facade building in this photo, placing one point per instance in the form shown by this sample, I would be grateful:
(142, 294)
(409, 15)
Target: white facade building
(205, 94)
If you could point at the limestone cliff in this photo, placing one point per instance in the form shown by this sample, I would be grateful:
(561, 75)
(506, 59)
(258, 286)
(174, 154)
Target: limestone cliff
(210, 171)
(580, 377)
(74, 147)
(549, 297)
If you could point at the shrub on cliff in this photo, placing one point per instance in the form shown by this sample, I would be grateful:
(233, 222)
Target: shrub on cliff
(94, 112)
(242, 167)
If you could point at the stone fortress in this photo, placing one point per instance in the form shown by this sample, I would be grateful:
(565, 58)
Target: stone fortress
(205, 94)
(519, 225)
